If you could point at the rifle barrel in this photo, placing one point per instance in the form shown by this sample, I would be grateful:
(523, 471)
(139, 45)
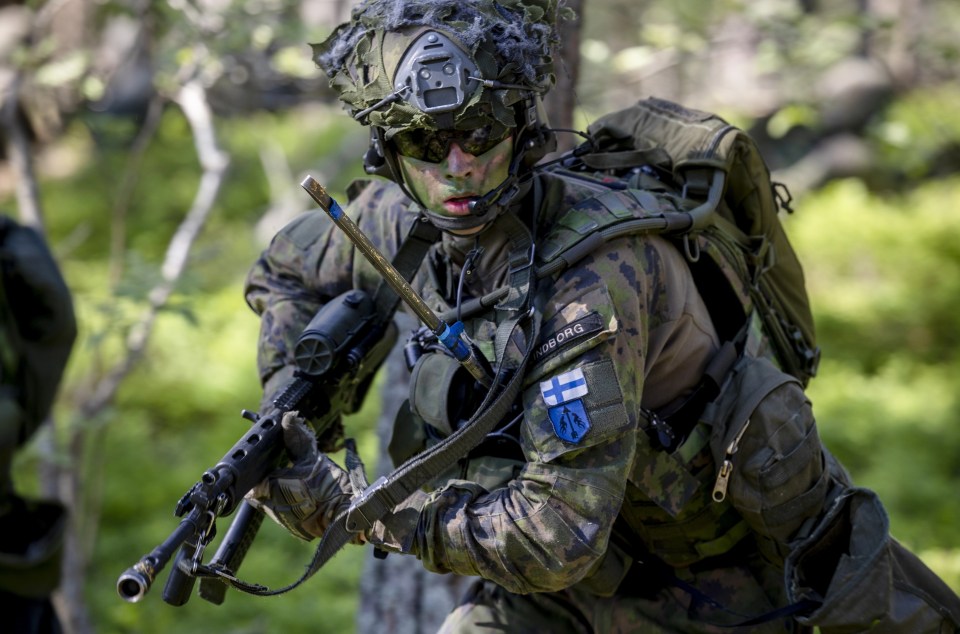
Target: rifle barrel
(134, 583)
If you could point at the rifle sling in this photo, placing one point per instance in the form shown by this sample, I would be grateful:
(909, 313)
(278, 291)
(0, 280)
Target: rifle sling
(387, 492)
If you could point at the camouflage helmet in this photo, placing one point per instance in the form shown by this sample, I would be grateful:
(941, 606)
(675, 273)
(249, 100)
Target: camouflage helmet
(442, 65)
(505, 50)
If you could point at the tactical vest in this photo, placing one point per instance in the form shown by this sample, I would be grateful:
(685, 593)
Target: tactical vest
(680, 522)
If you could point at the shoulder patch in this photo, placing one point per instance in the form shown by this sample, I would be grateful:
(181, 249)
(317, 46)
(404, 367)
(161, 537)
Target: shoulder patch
(555, 428)
(564, 388)
(570, 421)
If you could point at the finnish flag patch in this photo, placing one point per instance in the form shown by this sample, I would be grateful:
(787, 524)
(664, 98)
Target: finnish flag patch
(564, 388)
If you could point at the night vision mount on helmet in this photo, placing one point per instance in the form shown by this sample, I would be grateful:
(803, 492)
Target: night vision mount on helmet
(435, 76)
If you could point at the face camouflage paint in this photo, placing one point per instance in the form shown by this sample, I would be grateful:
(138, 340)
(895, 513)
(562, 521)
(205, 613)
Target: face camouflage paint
(447, 187)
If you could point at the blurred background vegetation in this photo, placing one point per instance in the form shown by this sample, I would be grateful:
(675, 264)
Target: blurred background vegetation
(167, 141)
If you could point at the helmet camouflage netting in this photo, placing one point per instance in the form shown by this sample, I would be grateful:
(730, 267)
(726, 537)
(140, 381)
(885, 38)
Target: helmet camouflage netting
(510, 42)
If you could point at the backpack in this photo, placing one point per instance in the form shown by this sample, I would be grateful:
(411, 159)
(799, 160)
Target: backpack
(733, 239)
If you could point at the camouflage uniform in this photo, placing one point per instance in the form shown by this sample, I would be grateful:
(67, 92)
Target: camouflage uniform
(638, 331)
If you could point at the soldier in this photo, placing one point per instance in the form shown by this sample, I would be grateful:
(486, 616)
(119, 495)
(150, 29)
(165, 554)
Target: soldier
(37, 331)
(572, 515)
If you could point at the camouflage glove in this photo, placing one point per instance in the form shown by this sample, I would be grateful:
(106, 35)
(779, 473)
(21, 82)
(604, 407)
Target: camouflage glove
(397, 531)
(305, 497)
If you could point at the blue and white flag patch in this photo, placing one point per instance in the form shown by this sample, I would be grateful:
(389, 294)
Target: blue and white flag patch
(570, 422)
(564, 388)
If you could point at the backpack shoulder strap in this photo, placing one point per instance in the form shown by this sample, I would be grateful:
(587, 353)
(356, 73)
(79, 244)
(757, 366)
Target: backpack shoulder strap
(726, 200)
(622, 210)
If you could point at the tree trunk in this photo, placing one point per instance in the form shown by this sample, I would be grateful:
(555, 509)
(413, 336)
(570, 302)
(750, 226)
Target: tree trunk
(561, 101)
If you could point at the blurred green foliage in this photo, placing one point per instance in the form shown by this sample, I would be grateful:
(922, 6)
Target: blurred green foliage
(179, 411)
(883, 272)
(176, 416)
(918, 136)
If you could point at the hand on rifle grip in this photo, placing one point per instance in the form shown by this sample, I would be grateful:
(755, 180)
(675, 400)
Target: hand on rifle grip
(306, 496)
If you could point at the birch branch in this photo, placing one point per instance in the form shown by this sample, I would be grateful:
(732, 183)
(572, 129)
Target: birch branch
(18, 154)
(192, 99)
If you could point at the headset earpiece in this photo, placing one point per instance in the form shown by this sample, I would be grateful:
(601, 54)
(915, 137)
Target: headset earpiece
(374, 159)
(535, 139)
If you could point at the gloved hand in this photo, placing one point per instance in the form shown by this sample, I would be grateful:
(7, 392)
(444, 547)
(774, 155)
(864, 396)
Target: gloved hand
(305, 497)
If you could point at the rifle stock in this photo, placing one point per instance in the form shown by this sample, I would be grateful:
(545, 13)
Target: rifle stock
(336, 357)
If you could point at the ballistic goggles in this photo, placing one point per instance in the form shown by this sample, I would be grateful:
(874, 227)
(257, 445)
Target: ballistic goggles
(433, 146)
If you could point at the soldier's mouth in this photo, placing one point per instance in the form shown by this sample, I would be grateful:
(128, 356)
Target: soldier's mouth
(458, 205)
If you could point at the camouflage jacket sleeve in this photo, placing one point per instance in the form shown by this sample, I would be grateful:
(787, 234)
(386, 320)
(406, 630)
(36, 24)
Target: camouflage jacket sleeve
(625, 319)
(308, 263)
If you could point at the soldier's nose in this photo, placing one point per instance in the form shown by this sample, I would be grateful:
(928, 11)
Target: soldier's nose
(459, 163)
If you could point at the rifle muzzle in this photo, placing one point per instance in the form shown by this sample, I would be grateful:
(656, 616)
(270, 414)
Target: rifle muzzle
(136, 580)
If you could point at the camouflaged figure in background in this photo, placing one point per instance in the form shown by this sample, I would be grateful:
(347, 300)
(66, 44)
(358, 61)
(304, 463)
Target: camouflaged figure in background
(37, 331)
(571, 515)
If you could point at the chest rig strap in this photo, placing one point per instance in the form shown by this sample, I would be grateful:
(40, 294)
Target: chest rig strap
(409, 256)
(521, 273)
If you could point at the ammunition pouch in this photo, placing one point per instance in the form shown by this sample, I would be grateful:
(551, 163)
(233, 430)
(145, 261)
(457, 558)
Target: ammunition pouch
(441, 392)
(442, 397)
(862, 578)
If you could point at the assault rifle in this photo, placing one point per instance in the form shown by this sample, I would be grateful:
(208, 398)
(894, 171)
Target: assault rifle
(336, 357)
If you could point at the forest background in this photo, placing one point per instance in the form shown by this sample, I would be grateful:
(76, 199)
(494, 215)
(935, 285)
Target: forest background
(160, 144)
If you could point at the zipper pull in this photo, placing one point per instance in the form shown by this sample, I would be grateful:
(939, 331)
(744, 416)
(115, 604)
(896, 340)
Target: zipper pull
(726, 469)
(723, 479)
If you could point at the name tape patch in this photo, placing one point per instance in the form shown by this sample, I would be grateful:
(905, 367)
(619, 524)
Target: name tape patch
(570, 333)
